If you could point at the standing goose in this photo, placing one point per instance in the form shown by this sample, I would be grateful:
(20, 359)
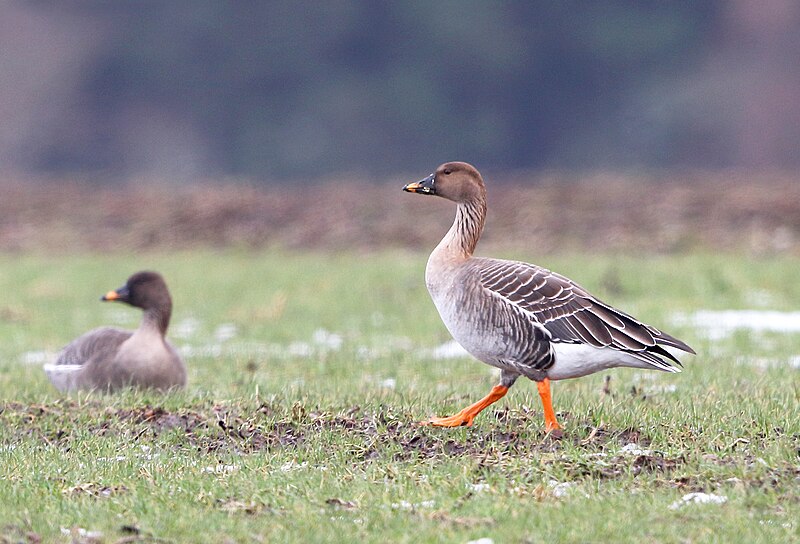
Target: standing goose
(109, 359)
(522, 318)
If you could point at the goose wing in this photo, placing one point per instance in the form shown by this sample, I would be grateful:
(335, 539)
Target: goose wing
(571, 314)
(101, 341)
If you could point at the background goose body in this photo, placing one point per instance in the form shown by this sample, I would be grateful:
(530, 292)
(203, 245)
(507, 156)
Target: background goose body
(522, 318)
(109, 359)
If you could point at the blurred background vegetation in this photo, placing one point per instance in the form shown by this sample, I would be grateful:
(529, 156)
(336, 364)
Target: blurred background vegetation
(301, 90)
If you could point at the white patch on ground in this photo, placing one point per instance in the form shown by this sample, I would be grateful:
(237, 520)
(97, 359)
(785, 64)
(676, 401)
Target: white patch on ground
(634, 449)
(563, 489)
(322, 342)
(479, 487)
(484, 540)
(292, 466)
(383, 346)
(698, 498)
(185, 328)
(191, 352)
(377, 319)
(651, 384)
(37, 357)
(720, 324)
(326, 339)
(388, 383)
(299, 349)
(220, 469)
(769, 362)
(760, 298)
(448, 350)
(82, 533)
(120, 316)
(660, 389)
(405, 505)
(225, 332)
(356, 521)
(115, 459)
(145, 455)
(785, 524)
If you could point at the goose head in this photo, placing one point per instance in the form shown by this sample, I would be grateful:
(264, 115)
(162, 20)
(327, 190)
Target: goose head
(457, 181)
(145, 290)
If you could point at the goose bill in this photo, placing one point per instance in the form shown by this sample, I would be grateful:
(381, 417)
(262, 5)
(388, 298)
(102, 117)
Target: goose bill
(120, 294)
(423, 186)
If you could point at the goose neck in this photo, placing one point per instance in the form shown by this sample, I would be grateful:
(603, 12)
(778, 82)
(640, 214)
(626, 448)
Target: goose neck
(157, 318)
(462, 238)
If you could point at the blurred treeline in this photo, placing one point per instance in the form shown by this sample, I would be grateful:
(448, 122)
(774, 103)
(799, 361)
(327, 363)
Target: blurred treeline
(305, 89)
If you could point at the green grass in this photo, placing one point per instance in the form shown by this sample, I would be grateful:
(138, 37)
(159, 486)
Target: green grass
(301, 426)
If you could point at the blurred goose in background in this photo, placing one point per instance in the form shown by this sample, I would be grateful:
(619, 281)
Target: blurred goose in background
(522, 318)
(109, 359)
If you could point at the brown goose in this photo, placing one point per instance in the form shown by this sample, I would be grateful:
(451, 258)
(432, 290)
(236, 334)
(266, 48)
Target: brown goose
(109, 359)
(522, 318)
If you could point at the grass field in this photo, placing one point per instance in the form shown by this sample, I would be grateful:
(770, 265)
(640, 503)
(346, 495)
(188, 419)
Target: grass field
(308, 372)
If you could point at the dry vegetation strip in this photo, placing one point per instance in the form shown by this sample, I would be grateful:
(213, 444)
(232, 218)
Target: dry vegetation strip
(718, 210)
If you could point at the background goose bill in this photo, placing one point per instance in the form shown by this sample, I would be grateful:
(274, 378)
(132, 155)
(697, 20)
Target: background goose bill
(423, 186)
(120, 295)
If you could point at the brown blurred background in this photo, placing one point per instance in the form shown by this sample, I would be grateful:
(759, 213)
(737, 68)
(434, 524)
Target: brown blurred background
(605, 124)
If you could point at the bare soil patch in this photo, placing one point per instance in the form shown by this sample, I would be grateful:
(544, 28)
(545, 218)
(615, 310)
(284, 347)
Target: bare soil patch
(371, 436)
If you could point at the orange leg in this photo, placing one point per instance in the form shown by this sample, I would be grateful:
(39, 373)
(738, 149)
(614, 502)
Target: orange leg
(550, 423)
(465, 416)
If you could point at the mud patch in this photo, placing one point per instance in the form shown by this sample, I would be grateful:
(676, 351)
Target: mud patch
(370, 434)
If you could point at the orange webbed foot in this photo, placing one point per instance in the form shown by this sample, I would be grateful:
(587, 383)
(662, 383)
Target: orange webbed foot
(458, 420)
(465, 417)
(551, 426)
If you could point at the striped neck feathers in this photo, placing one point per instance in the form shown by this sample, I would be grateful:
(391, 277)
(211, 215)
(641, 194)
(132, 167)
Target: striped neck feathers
(463, 236)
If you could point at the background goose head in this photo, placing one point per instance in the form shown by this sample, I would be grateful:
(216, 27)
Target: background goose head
(456, 181)
(145, 290)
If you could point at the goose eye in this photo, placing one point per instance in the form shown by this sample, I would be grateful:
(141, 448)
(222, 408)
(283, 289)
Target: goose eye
(448, 172)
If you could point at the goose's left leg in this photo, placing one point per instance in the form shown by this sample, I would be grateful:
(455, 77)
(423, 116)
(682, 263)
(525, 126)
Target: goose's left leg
(467, 415)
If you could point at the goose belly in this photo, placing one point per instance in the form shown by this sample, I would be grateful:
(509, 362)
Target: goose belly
(145, 361)
(480, 337)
